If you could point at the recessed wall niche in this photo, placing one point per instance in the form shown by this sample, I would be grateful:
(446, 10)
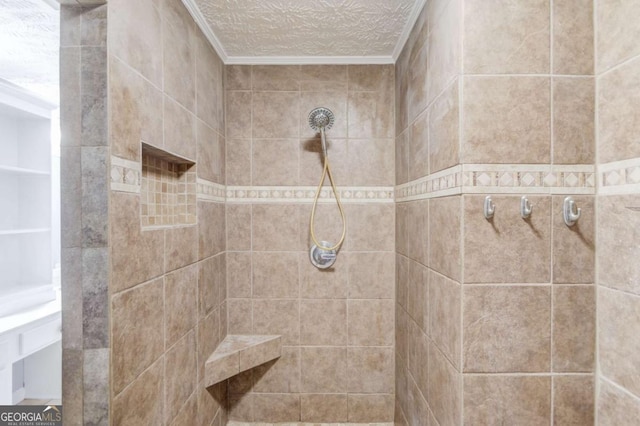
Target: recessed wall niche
(168, 189)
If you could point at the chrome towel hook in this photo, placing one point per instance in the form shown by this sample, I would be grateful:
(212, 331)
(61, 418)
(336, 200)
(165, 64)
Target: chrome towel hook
(571, 213)
(525, 207)
(489, 207)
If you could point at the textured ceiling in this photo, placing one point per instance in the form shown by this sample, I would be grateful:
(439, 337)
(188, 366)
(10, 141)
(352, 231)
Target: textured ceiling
(29, 46)
(308, 28)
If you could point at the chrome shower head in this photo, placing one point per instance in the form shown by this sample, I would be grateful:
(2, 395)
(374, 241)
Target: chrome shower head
(321, 118)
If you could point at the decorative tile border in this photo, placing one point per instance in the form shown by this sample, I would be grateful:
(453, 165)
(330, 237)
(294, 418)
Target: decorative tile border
(619, 177)
(126, 175)
(210, 191)
(501, 179)
(305, 194)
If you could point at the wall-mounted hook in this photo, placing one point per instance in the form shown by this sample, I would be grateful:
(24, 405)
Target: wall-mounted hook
(570, 212)
(489, 207)
(525, 207)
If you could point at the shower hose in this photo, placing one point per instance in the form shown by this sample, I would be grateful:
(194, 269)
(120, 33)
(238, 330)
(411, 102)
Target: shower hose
(326, 172)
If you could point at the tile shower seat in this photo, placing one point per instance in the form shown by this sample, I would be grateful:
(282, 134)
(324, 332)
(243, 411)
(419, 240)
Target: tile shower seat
(238, 353)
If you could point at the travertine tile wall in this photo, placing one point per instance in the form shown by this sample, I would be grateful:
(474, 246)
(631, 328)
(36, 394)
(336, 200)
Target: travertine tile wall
(428, 231)
(618, 223)
(143, 308)
(85, 216)
(337, 325)
(502, 312)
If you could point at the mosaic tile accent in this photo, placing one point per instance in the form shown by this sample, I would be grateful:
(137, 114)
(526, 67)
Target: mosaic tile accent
(126, 175)
(620, 177)
(305, 194)
(501, 179)
(167, 193)
(210, 191)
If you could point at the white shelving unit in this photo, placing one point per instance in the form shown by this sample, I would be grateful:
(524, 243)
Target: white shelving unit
(29, 304)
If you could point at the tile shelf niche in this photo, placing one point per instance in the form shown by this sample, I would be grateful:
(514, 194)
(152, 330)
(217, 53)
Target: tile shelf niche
(238, 353)
(168, 189)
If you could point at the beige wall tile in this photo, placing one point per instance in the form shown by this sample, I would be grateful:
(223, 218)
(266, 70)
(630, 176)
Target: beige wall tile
(573, 37)
(506, 37)
(135, 108)
(444, 388)
(238, 114)
(444, 231)
(371, 275)
(418, 357)
(180, 246)
(506, 329)
(418, 231)
(324, 369)
(371, 77)
(573, 400)
(370, 163)
(209, 401)
(323, 77)
(331, 283)
(401, 334)
(312, 161)
(211, 152)
(617, 32)
(239, 274)
(444, 118)
(179, 61)
(269, 407)
(180, 302)
(211, 283)
(370, 370)
(143, 401)
(276, 77)
(275, 114)
(417, 407)
(444, 48)
(275, 275)
(574, 247)
(237, 77)
(494, 400)
(370, 408)
(445, 307)
(618, 106)
(137, 321)
(618, 236)
(574, 325)
(240, 316)
(275, 162)
(323, 322)
(238, 226)
(142, 49)
(370, 115)
(336, 101)
(402, 228)
(507, 249)
(370, 322)
(277, 317)
(418, 84)
(209, 84)
(402, 158)
(180, 382)
(324, 407)
(188, 414)
(619, 348)
(275, 227)
(616, 408)
(238, 162)
(419, 147)
(363, 219)
(402, 281)
(211, 232)
(207, 339)
(240, 407)
(418, 295)
(506, 119)
(281, 375)
(573, 120)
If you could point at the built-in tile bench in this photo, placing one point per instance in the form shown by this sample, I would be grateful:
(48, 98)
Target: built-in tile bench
(238, 353)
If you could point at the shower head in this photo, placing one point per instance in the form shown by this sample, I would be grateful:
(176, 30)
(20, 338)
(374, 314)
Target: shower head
(321, 118)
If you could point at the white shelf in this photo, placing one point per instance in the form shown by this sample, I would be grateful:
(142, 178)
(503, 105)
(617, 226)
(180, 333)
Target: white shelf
(22, 171)
(24, 231)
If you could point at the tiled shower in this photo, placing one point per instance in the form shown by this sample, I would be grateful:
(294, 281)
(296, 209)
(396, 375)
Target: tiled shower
(433, 314)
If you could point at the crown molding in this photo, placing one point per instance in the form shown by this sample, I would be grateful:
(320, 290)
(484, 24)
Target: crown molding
(304, 60)
(201, 21)
(406, 32)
